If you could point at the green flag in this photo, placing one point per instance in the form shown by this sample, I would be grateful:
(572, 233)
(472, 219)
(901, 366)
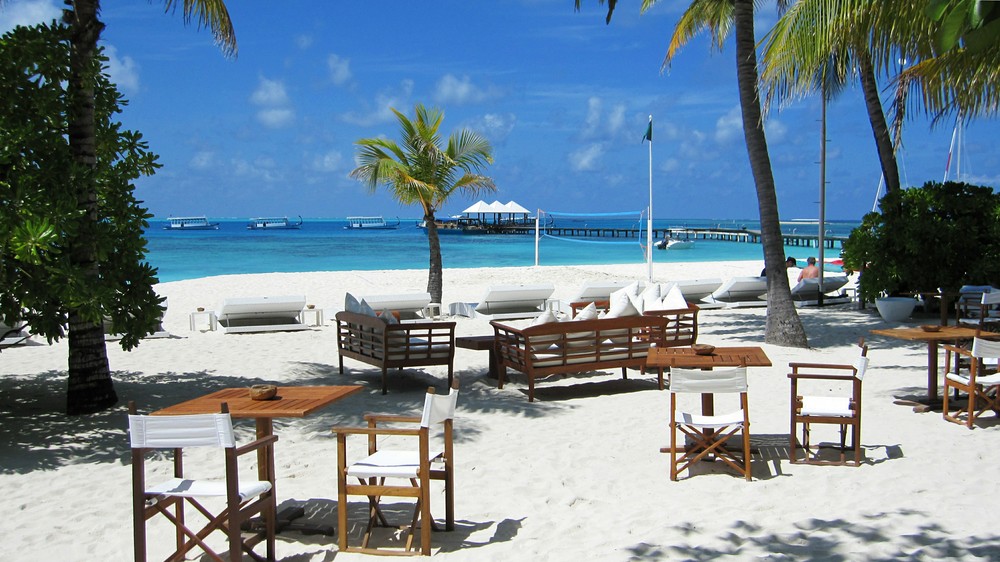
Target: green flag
(649, 132)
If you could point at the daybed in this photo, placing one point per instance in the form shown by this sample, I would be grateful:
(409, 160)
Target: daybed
(576, 346)
(507, 302)
(261, 314)
(371, 340)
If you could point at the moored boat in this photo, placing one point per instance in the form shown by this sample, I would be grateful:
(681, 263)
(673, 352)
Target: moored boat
(190, 223)
(370, 223)
(676, 239)
(273, 223)
(456, 225)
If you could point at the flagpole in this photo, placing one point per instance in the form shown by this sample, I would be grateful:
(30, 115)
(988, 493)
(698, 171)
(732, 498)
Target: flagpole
(649, 228)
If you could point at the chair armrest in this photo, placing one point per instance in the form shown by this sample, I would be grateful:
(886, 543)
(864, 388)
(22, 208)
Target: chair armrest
(392, 418)
(958, 350)
(345, 431)
(820, 366)
(256, 444)
(822, 376)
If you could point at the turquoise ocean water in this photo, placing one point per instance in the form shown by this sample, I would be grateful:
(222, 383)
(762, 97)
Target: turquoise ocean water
(325, 245)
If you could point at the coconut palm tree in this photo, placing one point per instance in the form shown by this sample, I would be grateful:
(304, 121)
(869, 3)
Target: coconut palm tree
(90, 387)
(418, 171)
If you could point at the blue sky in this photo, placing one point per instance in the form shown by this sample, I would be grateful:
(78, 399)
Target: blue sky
(563, 98)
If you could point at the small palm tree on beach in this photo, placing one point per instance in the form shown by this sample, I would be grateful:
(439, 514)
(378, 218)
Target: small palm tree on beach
(418, 171)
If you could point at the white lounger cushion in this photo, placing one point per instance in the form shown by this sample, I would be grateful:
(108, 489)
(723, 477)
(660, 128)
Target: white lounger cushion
(598, 290)
(514, 301)
(400, 302)
(697, 289)
(261, 314)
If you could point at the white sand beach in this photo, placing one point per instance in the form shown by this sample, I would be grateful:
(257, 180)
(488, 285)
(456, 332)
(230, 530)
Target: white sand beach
(575, 475)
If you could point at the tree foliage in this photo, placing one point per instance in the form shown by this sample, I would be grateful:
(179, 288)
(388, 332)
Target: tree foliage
(39, 214)
(945, 236)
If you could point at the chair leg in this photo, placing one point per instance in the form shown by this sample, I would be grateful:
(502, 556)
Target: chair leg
(385, 387)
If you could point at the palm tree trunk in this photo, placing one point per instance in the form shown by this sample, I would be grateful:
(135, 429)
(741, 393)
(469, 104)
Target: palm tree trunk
(435, 277)
(90, 388)
(783, 324)
(883, 141)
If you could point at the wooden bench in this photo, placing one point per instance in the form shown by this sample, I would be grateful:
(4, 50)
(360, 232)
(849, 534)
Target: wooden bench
(682, 323)
(370, 340)
(576, 346)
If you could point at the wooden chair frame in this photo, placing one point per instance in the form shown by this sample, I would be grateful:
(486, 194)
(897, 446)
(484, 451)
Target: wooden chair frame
(376, 488)
(979, 393)
(229, 521)
(849, 374)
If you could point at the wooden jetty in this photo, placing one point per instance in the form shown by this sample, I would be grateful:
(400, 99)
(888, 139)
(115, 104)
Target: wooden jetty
(724, 234)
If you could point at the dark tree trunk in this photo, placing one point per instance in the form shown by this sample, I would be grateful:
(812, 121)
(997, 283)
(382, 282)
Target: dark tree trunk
(90, 388)
(783, 324)
(883, 140)
(435, 275)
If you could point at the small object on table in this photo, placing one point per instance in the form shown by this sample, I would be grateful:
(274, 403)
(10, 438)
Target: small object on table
(310, 306)
(200, 309)
(702, 348)
(931, 327)
(263, 391)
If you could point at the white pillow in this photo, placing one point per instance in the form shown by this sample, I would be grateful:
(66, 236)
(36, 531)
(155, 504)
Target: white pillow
(673, 299)
(587, 313)
(649, 299)
(365, 309)
(388, 317)
(620, 305)
(544, 318)
(351, 304)
(541, 343)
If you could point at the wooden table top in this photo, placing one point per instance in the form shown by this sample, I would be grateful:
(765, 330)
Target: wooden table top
(685, 357)
(290, 402)
(915, 333)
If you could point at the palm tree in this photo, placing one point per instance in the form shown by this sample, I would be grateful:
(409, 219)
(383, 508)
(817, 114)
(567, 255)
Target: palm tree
(90, 388)
(419, 172)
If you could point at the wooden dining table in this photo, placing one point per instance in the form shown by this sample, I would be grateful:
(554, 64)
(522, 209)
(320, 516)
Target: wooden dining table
(289, 402)
(944, 334)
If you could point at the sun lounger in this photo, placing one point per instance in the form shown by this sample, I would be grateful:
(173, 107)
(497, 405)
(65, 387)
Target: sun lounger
(695, 290)
(111, 335)
(407, 305)
(740, 291)
(806, 292)
(506, 302)
(12, 336)
(261, 314)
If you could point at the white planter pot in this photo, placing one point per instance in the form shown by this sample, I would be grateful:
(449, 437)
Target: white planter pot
(895, 309)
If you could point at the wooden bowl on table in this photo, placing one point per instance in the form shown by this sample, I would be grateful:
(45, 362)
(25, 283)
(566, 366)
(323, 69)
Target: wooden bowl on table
(702, 348)
(930, 328)
(263, 391)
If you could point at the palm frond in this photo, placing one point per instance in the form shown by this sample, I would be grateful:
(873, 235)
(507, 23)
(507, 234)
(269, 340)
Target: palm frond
(212, 14)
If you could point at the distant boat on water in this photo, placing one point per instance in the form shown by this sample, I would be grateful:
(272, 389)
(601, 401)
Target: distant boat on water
(190, 223)
(456, 225)
(676, 239)
(370, 223)
(273, 223)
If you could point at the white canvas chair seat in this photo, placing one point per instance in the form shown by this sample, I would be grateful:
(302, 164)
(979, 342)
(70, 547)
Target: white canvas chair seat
(709, 434)
(243, 499)
(399, 472)
(390, 464)
(837, 406)
(187, 488)
(982, 387)
(842, 409)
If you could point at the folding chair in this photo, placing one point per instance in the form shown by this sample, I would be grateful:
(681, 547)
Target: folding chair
(978, 384)
(709, 433)
(243, 499)
(419, 464)
(840, 410)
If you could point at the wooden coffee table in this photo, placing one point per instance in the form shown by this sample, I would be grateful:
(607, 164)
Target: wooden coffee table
(481, 343)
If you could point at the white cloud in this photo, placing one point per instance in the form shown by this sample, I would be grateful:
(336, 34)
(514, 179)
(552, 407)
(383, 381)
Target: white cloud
(586, 159)
(203, 160)
(593, 119)
(269, 92)
(776, 130)
(304, 41)
(381, 112)
(340, 69)
(275, 104)
(616, 119)
(495, 126)
(329, 162)
(276, 117)
(454, 90)
(123, 70)
(598, 124)
(27, 12)
(729, 127)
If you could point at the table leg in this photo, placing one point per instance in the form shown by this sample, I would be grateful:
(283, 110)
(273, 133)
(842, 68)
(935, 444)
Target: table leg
(932, 371)
(493, 363)
(265, 456)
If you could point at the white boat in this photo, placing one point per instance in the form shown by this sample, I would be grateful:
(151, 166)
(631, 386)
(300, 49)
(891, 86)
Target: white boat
(370, 223)
(676, 239)
(273, 223)
(190, 223)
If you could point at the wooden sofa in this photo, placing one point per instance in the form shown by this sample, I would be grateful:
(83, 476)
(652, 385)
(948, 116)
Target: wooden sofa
(370, 340)
(576, 346)
(682, 323)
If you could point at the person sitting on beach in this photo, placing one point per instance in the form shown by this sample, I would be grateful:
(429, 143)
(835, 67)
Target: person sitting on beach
(789, 263)
(810, 271)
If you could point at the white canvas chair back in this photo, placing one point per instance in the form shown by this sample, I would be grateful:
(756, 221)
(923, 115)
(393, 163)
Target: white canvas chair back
(719, 381)
(171, 432)
(984, 349)
(438, 408)
(860, 367)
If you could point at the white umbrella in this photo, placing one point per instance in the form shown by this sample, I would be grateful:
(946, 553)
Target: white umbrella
(513, 207)
(477, 207)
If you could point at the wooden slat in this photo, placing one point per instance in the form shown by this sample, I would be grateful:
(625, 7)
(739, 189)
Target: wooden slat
(290, 402)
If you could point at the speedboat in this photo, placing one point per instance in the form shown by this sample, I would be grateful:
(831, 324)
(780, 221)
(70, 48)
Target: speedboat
(370, 223)
(273, 223)
(190, 223)
(676, 239)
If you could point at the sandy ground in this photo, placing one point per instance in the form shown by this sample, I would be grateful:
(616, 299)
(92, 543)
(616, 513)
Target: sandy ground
(576, 475)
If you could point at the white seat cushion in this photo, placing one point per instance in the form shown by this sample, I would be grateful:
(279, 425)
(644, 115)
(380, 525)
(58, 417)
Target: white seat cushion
(826, 406)
(717, 421)
(389, 464)
(185, 488)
